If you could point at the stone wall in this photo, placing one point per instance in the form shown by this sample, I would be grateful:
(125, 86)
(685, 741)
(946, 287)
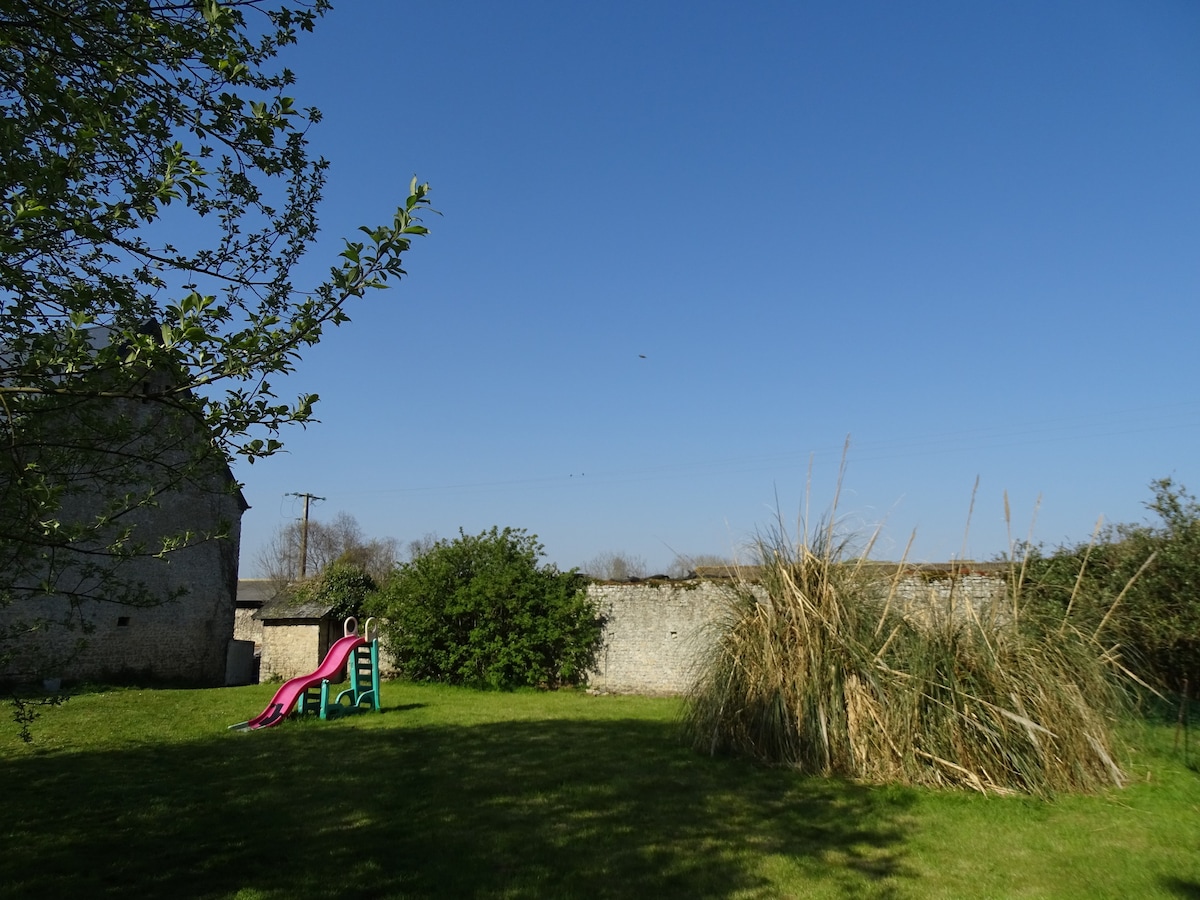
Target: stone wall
(292, 647)
(163, 617)
(929, 596)
(183, 639)
(246, 627)
(288, 649)
(655, 633)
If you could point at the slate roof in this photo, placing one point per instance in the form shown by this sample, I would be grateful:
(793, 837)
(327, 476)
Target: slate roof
(287, 608)
(255, 592)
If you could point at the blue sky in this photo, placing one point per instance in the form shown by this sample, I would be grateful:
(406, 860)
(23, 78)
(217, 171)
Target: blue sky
(965, 235)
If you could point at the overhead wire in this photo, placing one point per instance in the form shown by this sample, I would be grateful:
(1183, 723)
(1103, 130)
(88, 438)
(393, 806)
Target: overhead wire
(995, 437)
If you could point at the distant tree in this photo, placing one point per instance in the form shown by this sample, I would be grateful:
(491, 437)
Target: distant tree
(683, 565)
(340, 541)
(482, 610)
(423, 544)
(614, 566)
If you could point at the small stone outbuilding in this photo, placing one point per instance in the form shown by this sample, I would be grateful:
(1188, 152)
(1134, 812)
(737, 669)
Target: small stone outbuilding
(295, 636)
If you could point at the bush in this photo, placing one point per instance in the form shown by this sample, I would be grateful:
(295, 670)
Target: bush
(1139, 584)
(480, 611)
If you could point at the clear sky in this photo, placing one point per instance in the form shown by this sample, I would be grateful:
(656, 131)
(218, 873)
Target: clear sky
(687, 247)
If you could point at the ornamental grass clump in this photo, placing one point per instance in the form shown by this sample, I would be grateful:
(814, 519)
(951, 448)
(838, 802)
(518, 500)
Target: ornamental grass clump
(821, 665)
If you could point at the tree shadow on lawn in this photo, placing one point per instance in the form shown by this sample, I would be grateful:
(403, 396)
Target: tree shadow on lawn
(560, 808)
(1182, 887)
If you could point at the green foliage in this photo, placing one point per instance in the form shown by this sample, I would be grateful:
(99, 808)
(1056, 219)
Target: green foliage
(27, 710)
(344, 586)
(156, 193)
(480, 610)
(1138, 585)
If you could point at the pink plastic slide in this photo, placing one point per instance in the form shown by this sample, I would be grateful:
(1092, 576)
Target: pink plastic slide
(284, 701)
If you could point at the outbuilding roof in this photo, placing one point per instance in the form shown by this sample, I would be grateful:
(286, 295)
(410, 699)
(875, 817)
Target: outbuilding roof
(288, 607)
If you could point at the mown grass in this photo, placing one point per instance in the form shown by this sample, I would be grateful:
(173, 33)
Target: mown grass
(453, 793)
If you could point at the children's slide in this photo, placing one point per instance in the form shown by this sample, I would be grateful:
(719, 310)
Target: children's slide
(284, 701)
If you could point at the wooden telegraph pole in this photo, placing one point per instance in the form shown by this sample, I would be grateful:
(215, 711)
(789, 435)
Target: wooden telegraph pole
(304, 531)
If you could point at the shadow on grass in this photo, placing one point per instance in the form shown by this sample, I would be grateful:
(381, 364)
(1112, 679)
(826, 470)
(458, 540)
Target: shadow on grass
(515, 809)
(407, 707)
(1181, 887)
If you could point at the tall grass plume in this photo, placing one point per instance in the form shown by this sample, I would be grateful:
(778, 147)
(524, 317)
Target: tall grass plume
(821, 665)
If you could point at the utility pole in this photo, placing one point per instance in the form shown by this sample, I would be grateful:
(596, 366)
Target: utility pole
(304, 531)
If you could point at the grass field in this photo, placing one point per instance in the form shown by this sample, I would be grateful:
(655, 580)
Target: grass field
(452, 793)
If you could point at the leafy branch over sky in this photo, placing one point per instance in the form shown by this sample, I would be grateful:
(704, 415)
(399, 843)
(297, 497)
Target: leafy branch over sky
(156, 195)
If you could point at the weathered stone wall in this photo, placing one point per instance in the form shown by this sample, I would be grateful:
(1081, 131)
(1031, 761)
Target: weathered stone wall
(656, 633)
(292, 647)
(166, 618)
(387, 661)
(246, 627)
(184, 639)
(289, 648)
(925, 599)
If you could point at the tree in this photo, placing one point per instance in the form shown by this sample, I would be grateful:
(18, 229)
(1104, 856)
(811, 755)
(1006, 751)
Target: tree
(685, 566)
(328, 543)
(481, 610)
(344, 586)
(423, 544)
(611, 566)
(156, 192)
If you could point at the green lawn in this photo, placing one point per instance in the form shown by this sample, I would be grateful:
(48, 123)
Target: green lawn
(451, 793)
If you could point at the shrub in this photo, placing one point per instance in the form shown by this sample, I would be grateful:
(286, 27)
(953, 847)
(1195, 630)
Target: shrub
(816, 668)
(480, 610)
(1141, 582)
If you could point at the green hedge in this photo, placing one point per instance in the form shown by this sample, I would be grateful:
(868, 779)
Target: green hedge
(1140, 588)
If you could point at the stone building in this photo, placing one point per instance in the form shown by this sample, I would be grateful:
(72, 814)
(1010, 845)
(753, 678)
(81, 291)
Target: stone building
(296, 635)
(185, 632)
(139, 574)
(252, 595)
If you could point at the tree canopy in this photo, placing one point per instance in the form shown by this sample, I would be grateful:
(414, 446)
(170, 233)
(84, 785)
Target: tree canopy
(156, 193)
(325, 544)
